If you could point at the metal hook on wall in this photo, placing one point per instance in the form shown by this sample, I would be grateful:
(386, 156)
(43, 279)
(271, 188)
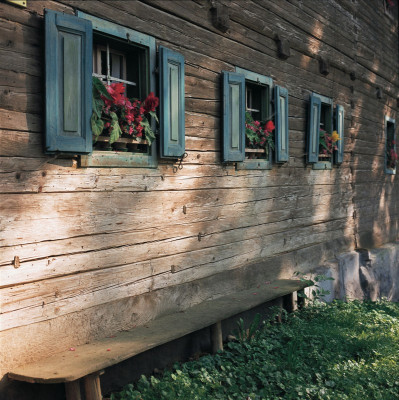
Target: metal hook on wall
(180, 163)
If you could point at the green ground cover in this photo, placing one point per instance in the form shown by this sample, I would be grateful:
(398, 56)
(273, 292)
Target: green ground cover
(335, 351)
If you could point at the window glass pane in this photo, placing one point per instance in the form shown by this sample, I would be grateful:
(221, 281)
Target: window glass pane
(116, 62)
(103, 63)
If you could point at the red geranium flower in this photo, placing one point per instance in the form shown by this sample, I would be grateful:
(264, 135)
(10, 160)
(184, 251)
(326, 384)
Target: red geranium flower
(151, 102)
(269, 127)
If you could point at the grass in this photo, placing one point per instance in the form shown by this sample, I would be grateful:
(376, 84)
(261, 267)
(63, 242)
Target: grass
(335, 351)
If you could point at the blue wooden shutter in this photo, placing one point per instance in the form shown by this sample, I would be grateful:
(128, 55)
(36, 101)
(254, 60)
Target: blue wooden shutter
(172, 123)
(233, 116)
(281, 131)
(69, 42)
(314, 129)
(339, 124)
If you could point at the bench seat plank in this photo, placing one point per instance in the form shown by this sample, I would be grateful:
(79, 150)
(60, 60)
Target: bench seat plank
(69, 365)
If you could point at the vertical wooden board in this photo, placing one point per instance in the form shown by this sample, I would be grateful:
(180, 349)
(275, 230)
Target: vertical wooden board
(72, 79)
(282, 127)
(68, 44)
(172, 103)
(233, 116)
(339, 125)
(234, 108)
(313, 129)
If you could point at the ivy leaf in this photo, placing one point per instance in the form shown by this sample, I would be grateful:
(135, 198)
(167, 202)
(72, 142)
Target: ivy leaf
(99, 89)
(154, 115)
(116, 132)
(98, 105)
(97, 126)
(149, 134)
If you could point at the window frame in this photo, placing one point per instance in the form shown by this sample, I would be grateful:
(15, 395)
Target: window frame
(114, 158)
(267, 82)
(325, 101)
(388, 171)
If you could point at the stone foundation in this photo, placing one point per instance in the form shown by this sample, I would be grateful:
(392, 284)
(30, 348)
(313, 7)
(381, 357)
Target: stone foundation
(363, 274)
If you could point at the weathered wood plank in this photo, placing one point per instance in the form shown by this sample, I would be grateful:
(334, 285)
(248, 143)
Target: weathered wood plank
(94, 357)
(14, 120)
(69, 294)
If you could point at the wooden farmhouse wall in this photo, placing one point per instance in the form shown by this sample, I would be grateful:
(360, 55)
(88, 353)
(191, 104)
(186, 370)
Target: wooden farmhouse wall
(88, 251)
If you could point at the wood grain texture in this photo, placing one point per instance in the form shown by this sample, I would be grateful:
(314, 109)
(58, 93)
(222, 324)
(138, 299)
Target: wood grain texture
(87, 359)
(95, 241)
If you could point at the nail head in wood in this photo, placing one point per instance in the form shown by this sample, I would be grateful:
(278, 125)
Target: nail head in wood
(16, 262)
(220, 16)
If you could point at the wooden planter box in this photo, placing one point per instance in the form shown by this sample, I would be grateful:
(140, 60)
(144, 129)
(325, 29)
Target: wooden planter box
(325, 157)
(254, 153)
(122, 144)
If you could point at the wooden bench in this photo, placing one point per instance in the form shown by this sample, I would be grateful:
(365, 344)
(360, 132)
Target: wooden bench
(88, 361)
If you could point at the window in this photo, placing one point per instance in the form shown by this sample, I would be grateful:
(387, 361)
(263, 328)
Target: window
(78, 48)
(389, 8)
(391, 156)
(325, 132)
(248, 108)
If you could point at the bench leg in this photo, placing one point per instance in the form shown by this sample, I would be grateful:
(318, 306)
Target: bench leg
(72, 390)
(289, 302)
(301, 299)
(92, 387)
(216, 337)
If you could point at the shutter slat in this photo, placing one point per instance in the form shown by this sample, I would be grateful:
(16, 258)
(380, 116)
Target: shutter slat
(233, 117)
(172, 124)
(282, 129)
(69, 42)
(339, 124)
(314, 129)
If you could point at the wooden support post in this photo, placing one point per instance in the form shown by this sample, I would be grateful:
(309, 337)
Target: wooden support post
(72, 390)
(216, 337)
(289, 302)
(92, 386)
(301, 299)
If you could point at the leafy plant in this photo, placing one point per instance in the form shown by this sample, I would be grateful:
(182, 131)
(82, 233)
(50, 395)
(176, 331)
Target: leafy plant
(114, 114)
(317, 292)
(327, 142)
(252, 332)
(258, 137)
(341, 351)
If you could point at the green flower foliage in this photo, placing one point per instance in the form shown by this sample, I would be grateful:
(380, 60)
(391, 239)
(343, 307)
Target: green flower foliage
(339, 351)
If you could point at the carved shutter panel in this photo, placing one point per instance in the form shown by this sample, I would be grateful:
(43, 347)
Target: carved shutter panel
(281, 131)
(172, 135)
(233, 116)
(314, 129)
(339, 124)
(69, 42)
